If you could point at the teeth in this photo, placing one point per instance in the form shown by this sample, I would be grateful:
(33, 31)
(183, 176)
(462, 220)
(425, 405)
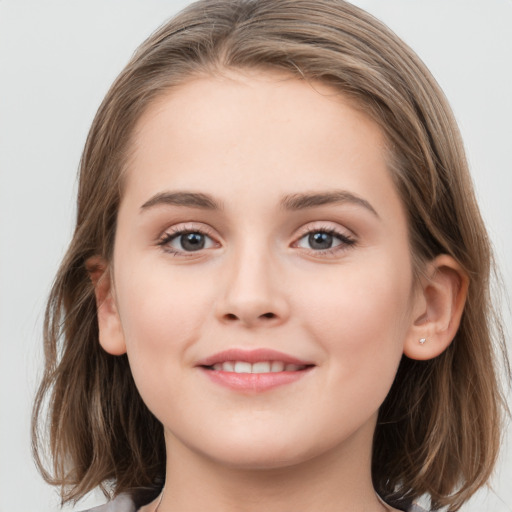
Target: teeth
(263, 367)
(277, 366)
(242, 367)
(259, 367)
(228, 366)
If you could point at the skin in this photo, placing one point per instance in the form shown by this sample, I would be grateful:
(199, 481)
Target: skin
(248, 140)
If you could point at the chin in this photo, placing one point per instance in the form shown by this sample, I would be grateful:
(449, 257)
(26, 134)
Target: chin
(259, 460)
(261, 450)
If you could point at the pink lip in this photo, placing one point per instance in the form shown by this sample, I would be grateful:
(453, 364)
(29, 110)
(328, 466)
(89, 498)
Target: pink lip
(251, 356)
(253, 382)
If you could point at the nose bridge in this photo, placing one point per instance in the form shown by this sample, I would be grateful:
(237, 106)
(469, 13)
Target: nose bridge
(251, 291)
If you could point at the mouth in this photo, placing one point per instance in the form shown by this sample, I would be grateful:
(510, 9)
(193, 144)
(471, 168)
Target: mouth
(254, 370)
(257, 367)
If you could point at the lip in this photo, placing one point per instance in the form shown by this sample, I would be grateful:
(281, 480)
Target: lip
(253, 382)
(252, 356)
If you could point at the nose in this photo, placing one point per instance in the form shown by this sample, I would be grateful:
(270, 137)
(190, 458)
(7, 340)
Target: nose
(252, 293)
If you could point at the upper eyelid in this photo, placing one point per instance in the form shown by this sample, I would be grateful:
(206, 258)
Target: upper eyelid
(327, 226)
(345, 239)
(172, 232)
(191, 227)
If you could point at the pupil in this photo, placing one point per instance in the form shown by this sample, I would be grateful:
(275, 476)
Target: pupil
(320, 240)
(192, 241)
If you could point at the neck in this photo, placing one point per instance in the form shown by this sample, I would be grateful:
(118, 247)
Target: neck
(337, 480)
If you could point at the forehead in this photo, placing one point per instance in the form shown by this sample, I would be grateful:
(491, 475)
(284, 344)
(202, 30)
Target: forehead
(254, 130)
(234, 96)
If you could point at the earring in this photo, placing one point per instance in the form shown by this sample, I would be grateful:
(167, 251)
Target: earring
(422, 340)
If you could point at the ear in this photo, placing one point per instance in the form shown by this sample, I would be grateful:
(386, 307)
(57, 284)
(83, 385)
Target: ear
(437, 309)
(109, 324)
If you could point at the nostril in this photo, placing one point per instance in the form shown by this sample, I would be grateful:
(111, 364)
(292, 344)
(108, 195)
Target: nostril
(249, 319)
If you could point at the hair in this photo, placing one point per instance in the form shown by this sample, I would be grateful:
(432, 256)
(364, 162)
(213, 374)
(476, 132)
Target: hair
(438, 431)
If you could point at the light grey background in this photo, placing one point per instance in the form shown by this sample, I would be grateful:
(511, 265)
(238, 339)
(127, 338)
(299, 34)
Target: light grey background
(57, 59)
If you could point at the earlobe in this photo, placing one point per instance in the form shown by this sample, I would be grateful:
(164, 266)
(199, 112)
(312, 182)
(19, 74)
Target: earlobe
(111, 334)
(438, 308)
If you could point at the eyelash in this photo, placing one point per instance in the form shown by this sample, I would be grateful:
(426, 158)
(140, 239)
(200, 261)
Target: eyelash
(175, 232)
(345, 240)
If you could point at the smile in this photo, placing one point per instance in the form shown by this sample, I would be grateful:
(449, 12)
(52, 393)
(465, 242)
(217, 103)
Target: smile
(258, 367)
(254, 371)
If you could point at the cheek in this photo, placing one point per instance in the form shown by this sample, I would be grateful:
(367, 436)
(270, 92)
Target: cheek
(161, 319)
(161, 315)
(361, 317)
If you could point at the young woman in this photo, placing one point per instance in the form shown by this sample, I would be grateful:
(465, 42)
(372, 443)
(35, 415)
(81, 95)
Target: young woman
(277, 294)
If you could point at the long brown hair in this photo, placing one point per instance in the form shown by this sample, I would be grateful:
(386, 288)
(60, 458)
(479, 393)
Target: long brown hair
(439, 428)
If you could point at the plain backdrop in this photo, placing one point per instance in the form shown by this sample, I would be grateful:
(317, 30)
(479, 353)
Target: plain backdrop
(57, 59)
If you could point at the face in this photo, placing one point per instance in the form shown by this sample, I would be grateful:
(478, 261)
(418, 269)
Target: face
(262, 272)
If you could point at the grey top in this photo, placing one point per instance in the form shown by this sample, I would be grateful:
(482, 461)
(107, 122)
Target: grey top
(123, 503)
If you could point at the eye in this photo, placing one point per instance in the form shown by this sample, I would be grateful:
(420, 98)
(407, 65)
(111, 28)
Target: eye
(185, 241)
(324, 240)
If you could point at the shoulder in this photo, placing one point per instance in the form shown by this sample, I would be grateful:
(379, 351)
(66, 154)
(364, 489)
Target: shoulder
(416, 508)
(122, 503)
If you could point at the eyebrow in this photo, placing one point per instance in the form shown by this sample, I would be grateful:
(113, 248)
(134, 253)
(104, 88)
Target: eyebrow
(312, 200)
(190, 199)
(288, 202)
